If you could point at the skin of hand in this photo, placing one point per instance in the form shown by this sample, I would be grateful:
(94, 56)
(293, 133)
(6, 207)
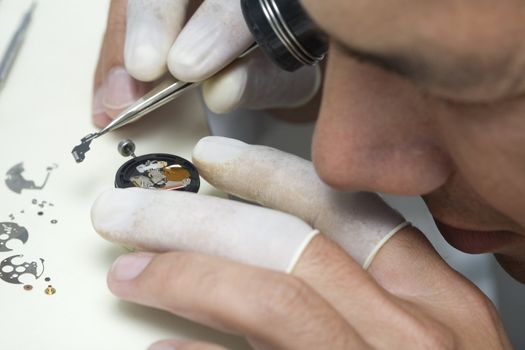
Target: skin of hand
(426, 98)
(408, 299)
(146, 38)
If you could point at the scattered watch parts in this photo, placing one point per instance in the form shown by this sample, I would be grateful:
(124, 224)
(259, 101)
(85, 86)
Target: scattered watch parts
(16, 182)
(41, 205)
(11, 272)
(10, 231)
(15, 269)
(156, 171)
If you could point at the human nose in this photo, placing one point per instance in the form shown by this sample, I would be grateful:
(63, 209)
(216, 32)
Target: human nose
(376, 132)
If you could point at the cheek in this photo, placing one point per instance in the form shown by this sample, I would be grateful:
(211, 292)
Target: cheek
(374, 133)
(488, 147)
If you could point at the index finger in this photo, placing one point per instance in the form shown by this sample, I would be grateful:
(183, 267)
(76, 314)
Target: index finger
(359, 222)
(213, 37)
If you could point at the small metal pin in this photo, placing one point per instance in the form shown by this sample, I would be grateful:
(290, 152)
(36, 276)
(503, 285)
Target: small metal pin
(50, 290)
(126, 148)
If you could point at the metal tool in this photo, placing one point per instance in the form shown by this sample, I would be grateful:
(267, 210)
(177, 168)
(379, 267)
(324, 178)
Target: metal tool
(281, 28)
(285, 32)
(163, 93)
(15, 44)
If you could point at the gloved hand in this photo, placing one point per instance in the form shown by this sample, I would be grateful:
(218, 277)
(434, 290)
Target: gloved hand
(360, 222)
(409, 299)
(152, 36)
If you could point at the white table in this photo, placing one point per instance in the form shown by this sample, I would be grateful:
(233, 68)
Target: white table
(44, 111)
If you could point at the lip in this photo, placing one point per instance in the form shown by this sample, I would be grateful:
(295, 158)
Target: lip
(476, 242)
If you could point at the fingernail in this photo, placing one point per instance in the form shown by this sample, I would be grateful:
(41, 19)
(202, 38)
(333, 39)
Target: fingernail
(98, 106)
(98, 113)
(164, 345)
(120, 89)
(128, 267)
(216, 149)
(101, 120)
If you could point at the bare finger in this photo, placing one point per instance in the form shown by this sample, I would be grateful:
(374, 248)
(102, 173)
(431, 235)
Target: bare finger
(273, 308)
(113, 88)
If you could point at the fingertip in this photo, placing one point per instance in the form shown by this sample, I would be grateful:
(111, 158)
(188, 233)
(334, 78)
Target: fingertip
(120, 91)
(185, 66)
(166, 345)
(101, 120)
(212, 150)
(225, 92)
(144, 62)
(98, 113)
(113, 212)
(152, 27)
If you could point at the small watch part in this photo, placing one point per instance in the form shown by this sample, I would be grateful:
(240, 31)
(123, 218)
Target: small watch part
(126, 148)
(79, 152)
(11, 271)
(50, 290)
(28, 287)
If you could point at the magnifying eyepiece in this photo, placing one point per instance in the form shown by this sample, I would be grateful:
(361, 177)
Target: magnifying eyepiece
(285, 32)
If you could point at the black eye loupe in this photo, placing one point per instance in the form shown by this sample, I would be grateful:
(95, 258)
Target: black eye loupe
(285, 32)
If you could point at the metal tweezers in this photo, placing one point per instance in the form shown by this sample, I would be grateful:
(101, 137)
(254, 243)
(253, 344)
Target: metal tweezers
(163, 93)
(14, 44)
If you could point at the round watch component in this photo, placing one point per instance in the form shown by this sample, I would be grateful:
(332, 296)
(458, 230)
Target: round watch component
(158, 171)
(126, 148)
(50, 290)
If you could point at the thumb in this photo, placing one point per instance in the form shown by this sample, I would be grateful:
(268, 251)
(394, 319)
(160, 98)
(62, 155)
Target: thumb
(257, 83)
(113, 88)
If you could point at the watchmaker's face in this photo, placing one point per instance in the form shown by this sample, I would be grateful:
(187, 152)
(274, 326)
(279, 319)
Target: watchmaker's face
(433, 105)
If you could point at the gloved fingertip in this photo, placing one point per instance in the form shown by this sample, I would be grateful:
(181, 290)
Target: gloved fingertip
(216, 149)
(224, 92)
(114, 210)
(144, 62)
(186, 67)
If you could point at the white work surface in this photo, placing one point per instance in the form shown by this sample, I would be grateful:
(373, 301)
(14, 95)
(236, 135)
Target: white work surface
(44, 111)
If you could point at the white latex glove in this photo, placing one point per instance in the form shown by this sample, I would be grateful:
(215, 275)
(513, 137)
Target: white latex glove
(157, 38)
(161, 221)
